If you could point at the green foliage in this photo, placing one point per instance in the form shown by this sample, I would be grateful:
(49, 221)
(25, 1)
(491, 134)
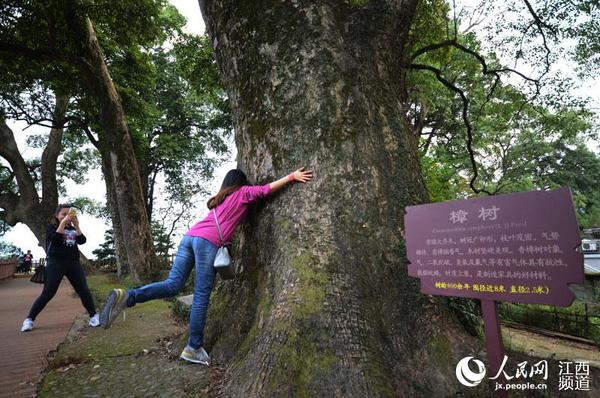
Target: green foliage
(187, 117)
(89, 206)
(358, 2)
(106, 251)
(443, 181)
(571, 30)
(430, 25)
(8, 250)
(520, 141)
(163, 243)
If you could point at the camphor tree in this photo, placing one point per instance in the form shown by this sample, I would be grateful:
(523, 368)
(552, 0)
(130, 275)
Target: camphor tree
(178, 117)
(322, 304)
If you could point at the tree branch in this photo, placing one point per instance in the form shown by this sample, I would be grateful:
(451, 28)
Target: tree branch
(427, 144)
(10, 151)
(540, 25)
(485, 69)
(90, 136)
(176, 221)
(465, 117)
(51, 153)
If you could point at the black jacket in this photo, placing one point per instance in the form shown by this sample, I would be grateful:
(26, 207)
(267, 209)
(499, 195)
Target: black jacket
(63, 246)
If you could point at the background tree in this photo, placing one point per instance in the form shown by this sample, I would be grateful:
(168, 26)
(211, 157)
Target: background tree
(71, 42)
(8, 250)
(176, 116)
(106, 251)
(22, 179)
(519, 142)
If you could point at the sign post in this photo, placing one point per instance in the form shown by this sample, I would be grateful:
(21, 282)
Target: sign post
(493, 336)
(518, 247)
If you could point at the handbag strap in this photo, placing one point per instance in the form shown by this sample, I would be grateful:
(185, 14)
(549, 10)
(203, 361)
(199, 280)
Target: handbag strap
(48, 251)
(218, 226)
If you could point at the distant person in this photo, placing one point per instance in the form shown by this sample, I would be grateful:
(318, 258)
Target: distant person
(62, 259)
(27, 260)
(199, 247)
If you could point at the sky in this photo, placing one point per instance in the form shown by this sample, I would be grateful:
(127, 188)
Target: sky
(94, 228)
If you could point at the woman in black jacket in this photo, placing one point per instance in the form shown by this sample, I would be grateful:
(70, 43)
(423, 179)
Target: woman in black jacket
(62, 259)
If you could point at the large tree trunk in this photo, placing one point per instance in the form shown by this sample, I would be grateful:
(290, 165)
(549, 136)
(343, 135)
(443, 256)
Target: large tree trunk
(322, 304)
(111, 202)
(116, 148)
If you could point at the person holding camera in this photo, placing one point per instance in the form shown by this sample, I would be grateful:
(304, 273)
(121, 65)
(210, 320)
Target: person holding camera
(62, 259)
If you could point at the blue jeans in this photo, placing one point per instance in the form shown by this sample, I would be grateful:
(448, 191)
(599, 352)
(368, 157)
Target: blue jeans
(193, 250)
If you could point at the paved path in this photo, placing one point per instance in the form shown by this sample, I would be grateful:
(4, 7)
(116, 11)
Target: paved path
(23, 355)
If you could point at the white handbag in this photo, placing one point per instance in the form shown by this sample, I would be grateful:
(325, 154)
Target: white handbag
(222, 262)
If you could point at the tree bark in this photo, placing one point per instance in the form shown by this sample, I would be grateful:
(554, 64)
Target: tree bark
(51, 153)
(111, 201)
(116, 148)
(322, 304)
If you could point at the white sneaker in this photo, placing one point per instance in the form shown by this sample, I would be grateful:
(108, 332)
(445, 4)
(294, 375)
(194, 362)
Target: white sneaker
(195, 356)
(27, 325)
(94, 321)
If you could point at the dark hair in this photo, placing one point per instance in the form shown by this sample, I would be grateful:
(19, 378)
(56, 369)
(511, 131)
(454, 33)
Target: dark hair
(234, 179)
(58, 209)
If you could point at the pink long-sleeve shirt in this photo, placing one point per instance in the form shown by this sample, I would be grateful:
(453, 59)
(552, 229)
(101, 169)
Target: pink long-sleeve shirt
(230, 213)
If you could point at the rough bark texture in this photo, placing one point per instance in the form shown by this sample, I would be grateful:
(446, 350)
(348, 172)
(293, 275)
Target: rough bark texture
(322, 304)
(116, 148)
(113, 208)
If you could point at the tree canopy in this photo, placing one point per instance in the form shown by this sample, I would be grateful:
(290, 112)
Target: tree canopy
(487, 128)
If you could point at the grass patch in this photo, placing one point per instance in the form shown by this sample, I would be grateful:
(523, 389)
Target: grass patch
(143, 325)
(128, 359)
(100, 285)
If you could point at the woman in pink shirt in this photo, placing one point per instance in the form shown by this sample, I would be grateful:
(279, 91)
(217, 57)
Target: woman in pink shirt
(198, 248)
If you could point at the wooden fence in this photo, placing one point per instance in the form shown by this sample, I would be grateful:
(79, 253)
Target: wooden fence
(585, 324)
(8, 267)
